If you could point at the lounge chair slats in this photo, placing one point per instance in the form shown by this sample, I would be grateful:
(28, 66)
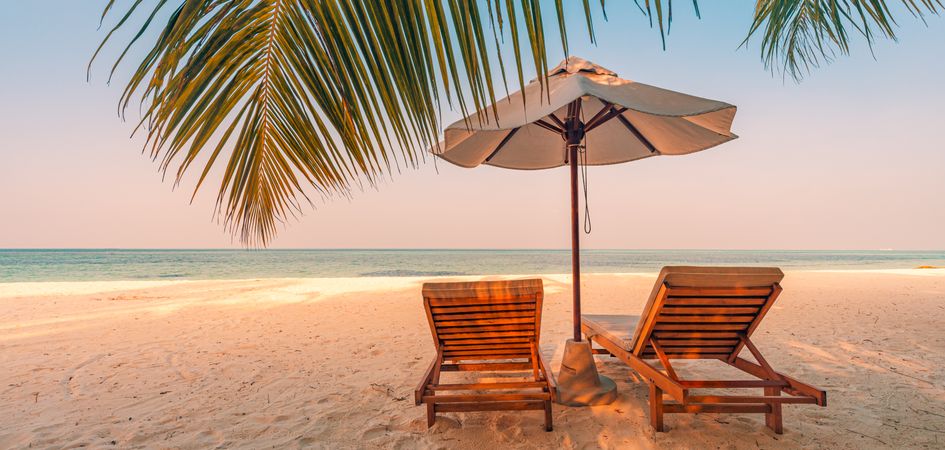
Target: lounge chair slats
(525, 346)
(721, 293)
(487, 367)
(472, 398)
(445, 321)
(703, 313)
(689, 355)
(700, 327)
(715, 301)
(699, 318)
(449, 337)
(669, 343)
(486, 326)
(530, 314)
(488, 340)
(719, 310)
(492, 406)
(695, 334)
(486, 386)
(494, 352)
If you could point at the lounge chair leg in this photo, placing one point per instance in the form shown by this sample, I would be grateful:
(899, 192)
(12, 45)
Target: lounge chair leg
(431, 414)
(548, 425)
(773, 418)
(656, 407)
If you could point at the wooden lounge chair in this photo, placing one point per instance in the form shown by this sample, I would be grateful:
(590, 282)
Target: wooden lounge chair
(486, 326)
(702, 313)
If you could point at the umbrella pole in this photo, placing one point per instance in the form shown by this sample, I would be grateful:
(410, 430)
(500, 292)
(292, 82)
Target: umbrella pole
(573, 137)
(579, 383)
(575, 242)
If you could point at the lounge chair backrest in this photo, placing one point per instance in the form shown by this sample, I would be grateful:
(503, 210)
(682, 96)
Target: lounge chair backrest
(700, 312)
(480, 319)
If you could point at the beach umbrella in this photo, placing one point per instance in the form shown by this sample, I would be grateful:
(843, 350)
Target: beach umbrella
(585, 115)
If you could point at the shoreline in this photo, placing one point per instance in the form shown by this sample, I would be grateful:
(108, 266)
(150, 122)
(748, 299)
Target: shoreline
(175, 265)
(73, 287)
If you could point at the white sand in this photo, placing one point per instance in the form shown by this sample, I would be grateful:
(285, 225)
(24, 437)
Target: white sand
(332, 363)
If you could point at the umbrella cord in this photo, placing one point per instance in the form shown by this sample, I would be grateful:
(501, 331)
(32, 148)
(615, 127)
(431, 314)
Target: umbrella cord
(582, 152)
(582, 158)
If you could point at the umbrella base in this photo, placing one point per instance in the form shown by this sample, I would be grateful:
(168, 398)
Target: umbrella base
(579, 384)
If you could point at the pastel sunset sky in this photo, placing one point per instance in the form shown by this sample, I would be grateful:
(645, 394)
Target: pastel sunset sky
(851, 158)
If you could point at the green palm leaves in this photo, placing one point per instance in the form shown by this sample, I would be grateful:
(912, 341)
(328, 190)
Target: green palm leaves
(798, 35)
(280, 95)
(278, 98)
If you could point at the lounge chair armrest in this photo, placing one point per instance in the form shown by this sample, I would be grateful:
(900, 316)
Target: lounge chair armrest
(427, 377)
(549, 376)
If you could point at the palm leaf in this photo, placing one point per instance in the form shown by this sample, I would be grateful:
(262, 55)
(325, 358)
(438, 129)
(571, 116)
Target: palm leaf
(800, 35)
(280, 98)
(283, 96)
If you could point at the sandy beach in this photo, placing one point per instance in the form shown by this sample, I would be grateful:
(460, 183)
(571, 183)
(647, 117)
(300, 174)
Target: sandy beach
(332, 363)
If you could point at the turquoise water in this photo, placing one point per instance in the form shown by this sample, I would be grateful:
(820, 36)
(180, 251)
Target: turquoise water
(72, 265)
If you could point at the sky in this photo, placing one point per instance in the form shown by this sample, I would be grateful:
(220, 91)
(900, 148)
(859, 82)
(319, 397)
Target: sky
(850, 158)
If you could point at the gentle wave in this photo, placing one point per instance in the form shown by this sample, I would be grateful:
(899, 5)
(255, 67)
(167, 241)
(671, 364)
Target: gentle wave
(412, 273)
(106, 264)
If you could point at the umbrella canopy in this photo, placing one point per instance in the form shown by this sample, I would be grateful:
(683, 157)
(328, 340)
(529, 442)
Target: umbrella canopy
(588, 109)
(624, 121)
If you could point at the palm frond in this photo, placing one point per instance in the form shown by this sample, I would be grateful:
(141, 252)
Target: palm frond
(800, 35)
(662, 11)
(286, 96)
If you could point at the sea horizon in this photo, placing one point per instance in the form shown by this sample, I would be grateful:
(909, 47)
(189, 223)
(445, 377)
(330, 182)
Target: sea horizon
(119, 264)
(250, 249)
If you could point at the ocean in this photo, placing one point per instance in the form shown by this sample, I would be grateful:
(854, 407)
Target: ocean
(105, 264)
